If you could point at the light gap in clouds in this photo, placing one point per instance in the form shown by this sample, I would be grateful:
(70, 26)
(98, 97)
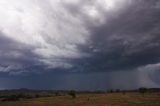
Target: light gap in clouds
(49, 28)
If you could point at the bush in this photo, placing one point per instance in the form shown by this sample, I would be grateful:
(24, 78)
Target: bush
(142, 90)
(16, 97)
(72, 93)
(124, 92)
(111, 91)
(11, 98)
(118, 90)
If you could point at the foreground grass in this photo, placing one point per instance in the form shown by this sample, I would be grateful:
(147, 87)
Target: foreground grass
(115, 99)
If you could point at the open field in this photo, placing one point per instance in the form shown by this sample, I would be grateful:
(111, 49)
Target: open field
(114, 99)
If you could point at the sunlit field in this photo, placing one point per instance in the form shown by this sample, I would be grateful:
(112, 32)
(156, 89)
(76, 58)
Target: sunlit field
(112, 99)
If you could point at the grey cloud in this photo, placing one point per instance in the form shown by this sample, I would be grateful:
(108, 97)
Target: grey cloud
(80, 44)
(16, 57)
(127, 41)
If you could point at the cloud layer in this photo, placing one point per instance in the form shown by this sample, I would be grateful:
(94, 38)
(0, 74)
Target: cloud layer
(38, 36)
(52, 30)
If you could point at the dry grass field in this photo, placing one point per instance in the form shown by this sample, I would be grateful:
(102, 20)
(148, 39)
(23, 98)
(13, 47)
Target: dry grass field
(114, 99)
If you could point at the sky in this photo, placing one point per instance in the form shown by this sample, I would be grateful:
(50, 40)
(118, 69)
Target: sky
(79, 44)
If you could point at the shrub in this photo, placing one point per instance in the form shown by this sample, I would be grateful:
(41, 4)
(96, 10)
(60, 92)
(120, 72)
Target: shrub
(11, 98)
(142, 90)
(72, 93)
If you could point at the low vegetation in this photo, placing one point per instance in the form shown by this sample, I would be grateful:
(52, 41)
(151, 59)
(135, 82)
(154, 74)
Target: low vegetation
(72, 93)
(140, 97)
(108, 99)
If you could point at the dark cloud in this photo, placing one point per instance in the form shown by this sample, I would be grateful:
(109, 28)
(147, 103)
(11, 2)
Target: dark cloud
(16, 58)
(88, 46)
(125, 42)
(68, 81)
(128, 39)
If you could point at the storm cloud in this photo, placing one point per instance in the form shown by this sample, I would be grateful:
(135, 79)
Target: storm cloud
(126, 41)
(75, 38)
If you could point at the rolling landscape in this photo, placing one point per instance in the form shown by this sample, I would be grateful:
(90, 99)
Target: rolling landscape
(26, 97)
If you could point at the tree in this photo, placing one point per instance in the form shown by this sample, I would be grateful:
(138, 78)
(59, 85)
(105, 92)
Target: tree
(72, 93)
(57, 94)
(142, 90)
(118, 90)
(111, 91)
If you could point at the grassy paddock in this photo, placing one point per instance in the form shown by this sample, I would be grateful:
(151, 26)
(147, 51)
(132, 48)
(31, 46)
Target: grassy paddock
(112, 99)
